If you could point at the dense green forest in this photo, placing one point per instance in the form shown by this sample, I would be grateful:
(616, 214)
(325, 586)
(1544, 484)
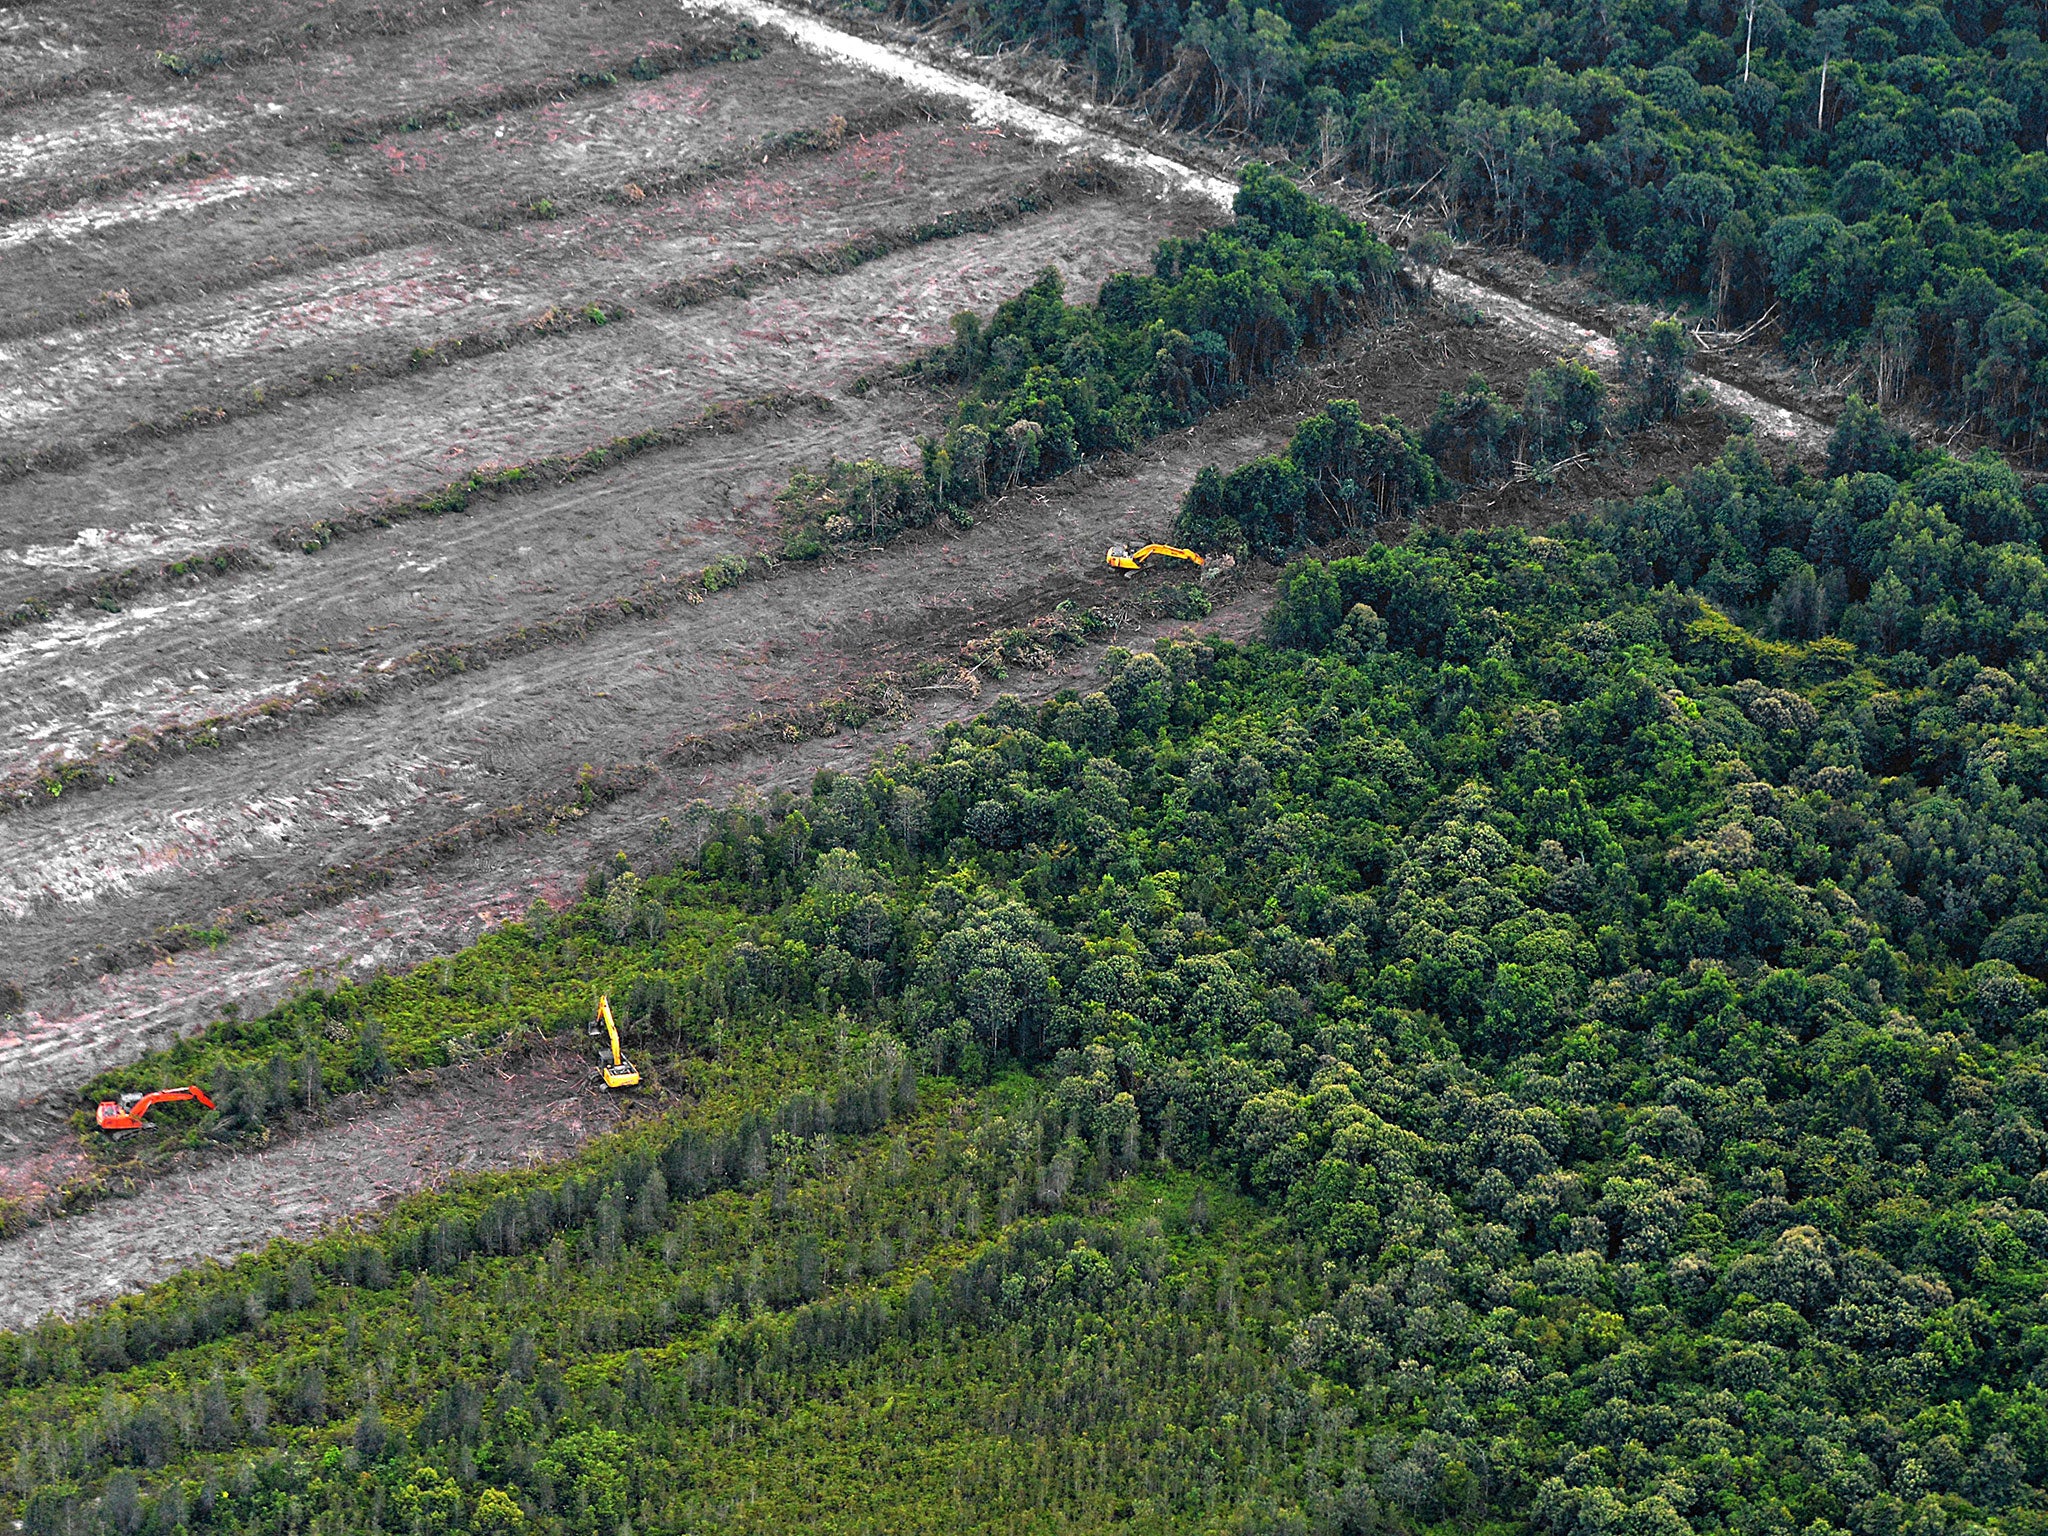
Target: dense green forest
(1550, 1041)
(1874, 175)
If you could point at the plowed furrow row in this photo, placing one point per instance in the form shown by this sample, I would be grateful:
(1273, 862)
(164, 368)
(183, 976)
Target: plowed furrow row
(315, 458)
(369, 325)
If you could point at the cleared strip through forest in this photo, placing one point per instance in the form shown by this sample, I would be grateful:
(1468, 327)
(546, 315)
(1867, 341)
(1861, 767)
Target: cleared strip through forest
(992, 105)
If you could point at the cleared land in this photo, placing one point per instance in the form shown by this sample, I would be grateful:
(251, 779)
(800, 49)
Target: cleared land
(191, 374)
(256, 310)
(267, 817)
(474, 1120)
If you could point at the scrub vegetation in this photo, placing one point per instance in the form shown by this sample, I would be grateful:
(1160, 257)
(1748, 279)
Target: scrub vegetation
(1869, 180)
(1552, 1036)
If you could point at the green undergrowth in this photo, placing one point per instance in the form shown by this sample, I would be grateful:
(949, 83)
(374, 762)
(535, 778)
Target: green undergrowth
(522, 981)
(1047, 384)
(1605, 970)
(928, 1310)
(1342, 474)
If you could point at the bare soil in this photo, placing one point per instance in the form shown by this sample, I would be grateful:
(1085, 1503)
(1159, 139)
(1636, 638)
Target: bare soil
(316, 457)
(378, 1148)
(397, 719)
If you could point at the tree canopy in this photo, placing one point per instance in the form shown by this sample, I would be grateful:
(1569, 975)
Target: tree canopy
(1872, 176)
(1552, 1039)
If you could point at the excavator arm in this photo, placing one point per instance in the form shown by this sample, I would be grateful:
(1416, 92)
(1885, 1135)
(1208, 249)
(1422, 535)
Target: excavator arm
(127, 1112)
(617, 1072)
(1134, 559)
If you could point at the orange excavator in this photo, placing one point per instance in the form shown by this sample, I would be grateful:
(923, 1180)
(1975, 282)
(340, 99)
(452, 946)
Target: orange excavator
(126, 1113)
(1123, 559)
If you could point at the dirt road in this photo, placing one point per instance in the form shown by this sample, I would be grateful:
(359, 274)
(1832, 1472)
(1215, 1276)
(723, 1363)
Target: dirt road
(1115, 139)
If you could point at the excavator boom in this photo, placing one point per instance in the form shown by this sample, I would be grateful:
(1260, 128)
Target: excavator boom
(1134, 559)
(127, 1112)
(617, 1072)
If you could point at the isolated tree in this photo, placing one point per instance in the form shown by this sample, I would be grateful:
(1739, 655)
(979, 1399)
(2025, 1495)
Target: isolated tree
(1430, 250)
(1653, 364)
(1564, 411)
(373, 1063)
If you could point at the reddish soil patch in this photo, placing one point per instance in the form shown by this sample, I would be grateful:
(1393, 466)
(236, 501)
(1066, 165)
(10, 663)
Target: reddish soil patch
(315, 457)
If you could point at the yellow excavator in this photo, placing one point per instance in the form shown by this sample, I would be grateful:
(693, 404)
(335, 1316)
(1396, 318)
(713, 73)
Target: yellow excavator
(1123, 559)
(618, 1072)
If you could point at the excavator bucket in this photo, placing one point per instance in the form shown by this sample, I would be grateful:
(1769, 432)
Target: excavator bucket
(128, 1112)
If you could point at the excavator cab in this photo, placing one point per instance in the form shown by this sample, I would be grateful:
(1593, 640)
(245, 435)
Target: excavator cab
(617, 1072)
(1122, 559)
(128, 1112)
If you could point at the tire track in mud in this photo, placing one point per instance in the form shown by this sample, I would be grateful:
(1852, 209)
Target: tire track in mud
(137, 299)
(356, 613)
(222, 349)
(574, 316)
(144, 749)
(108, 592)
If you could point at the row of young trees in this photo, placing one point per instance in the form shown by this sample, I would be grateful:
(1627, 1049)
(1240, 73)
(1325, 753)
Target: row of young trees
(1047, 383)
(1874, 175)
(637, 1344)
